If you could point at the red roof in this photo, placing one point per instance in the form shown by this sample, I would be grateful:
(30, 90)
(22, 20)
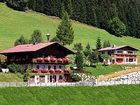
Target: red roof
(116, 48)
(28, 48)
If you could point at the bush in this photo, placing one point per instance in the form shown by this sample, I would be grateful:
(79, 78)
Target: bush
(14, 68)
(76, 78)
(116, 26)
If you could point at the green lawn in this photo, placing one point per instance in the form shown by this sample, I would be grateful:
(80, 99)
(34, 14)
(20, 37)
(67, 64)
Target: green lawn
(14, 23)
(10, 77)
(113, 95)
(102, 70)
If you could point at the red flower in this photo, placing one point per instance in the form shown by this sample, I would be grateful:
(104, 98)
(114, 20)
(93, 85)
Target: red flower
(35, 70)
(39, 59)
(46, 59)
(53, 59)
(59, 60)
(44, 71)
(66, 60)
(51, 71)
(58, 71)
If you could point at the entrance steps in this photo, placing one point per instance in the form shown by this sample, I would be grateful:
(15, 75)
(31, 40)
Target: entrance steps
(116, 74)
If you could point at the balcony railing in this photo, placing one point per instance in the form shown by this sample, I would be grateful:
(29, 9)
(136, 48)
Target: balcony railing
(51, 60)
(51, 71)
(125, 55)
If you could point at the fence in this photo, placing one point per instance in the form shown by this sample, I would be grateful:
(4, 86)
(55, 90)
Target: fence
(131, 78)
(13, 84)
(82, 83)
(25, 84)
(124, 82)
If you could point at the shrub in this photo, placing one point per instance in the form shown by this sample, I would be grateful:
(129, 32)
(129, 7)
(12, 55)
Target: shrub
(27, 74)
(14, 68)
(76, 78)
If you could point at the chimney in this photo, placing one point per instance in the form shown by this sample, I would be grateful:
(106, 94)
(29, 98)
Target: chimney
(113, 46)
(34, 43)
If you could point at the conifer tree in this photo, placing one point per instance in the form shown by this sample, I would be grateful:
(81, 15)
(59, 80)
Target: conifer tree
(27, 74)
(93, 57)
(62, 10)
(78, 46)
(106, 44)
(79, 60)
(87, 50)
(114, 11)
(68, 6)
(36, 37)
(65, 31)
(98, 44)
(21, 41)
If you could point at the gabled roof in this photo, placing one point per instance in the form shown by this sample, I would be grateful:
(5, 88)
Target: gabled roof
(116, 48)
(31, 48)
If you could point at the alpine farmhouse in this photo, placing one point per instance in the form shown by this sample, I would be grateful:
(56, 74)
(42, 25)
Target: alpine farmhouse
(47, 61)
(120, 55)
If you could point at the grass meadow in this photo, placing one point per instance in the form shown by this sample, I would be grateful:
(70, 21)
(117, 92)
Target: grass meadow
(15, 23)
(112, 95)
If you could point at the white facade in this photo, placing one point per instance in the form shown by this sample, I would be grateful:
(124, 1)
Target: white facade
(47, 79)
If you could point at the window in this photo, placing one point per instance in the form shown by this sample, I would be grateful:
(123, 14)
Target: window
(130, 52)
(119, 51)
(103, 52)
(60, 67)
(54, 67)
(135, 60)
(130, 60)
(49, 67)
(43, 66)
(37, 66)
(126, 59)
(60, 77)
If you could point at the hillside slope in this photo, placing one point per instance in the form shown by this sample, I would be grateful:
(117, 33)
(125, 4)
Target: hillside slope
(14, 23)
(115, 95)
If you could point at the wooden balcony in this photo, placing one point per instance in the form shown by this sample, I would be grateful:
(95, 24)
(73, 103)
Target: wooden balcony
(125, 55)
(51, 60)
(47, 60)
(51, 71)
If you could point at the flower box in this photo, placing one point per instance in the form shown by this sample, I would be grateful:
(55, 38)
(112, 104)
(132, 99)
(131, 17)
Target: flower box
(58, 71)
(59, 60)
(44, 71)
(52, 59)
(46, 59)
(66, 60)
(39, 59)
(35, 71)
(34, 60)
(51, 71)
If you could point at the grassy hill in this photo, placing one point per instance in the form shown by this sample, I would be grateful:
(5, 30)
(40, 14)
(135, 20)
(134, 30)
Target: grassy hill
(14, 23)
(114, 95)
